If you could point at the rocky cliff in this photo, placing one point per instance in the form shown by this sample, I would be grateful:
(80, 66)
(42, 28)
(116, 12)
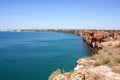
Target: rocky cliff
(86, 70)
(99, 39)
(101, 66)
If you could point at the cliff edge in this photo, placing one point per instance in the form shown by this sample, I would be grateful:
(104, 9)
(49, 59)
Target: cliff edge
(104, 65)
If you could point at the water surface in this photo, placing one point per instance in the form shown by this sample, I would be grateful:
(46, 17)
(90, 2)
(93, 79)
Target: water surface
(35, 55)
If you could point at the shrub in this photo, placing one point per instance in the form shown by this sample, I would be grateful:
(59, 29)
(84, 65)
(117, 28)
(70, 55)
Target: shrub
(105, 58)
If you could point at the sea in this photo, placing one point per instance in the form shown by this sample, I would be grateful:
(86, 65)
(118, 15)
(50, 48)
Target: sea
(35, 55)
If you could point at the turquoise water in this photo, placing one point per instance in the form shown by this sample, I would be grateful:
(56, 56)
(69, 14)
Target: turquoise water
(35, 55)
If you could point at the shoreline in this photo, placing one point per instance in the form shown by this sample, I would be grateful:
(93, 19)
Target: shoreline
(104, 65)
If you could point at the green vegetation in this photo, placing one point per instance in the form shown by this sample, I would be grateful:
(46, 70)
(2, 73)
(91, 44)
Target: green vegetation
(47, 30)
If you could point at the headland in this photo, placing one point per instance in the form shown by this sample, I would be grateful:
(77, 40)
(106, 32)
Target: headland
(103, 64)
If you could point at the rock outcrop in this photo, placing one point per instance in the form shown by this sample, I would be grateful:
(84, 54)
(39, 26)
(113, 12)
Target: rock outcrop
(98, 39)
(85, 70)
(96, 67)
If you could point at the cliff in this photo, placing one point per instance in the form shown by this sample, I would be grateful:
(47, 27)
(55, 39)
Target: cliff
(101, 66)
(99, 39)
(86, 69)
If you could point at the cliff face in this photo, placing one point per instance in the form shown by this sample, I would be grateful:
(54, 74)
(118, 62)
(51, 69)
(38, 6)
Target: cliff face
(86, 70)
(102, 66)
(99, 39)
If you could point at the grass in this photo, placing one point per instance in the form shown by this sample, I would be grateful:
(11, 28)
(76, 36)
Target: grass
(106, 59)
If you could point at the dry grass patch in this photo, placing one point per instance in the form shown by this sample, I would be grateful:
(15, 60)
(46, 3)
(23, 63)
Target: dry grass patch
(106, 59)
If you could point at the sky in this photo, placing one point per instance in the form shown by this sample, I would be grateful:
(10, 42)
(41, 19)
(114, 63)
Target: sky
(59, 14)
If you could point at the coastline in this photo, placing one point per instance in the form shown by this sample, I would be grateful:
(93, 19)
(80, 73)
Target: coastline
(46, 50)
(104, 65)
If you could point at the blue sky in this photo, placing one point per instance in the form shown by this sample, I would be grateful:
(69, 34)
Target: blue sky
(42, 14)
